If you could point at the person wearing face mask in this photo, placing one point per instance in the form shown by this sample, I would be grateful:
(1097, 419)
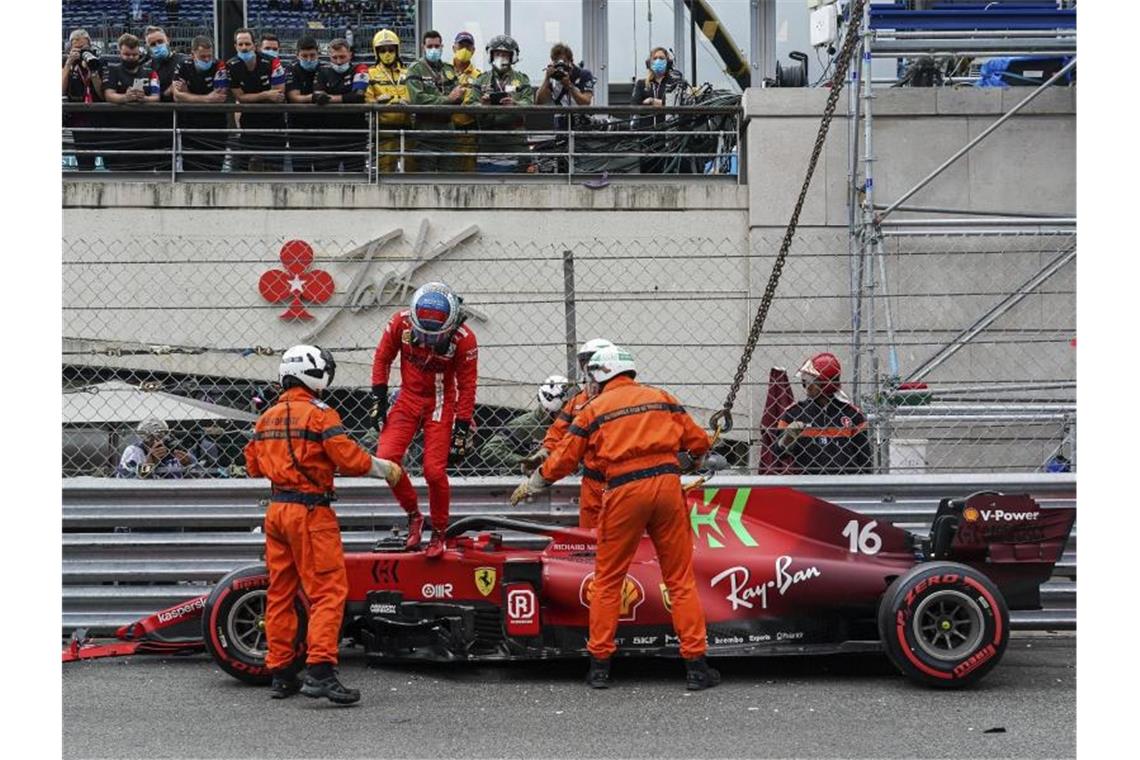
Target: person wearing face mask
(299, 83)
(662, 85)
(129, 82)
(342, 81)
(462, 51)
(164, 62)
(258, 78)
(432, 82)
(387, 85)
(500, 89)
(202, 78)
(83, 83)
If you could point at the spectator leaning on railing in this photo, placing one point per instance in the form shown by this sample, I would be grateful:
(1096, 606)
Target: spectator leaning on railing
(465, 75)
(257, 78)
(83, 83)
(663, 85)
(500, 89)
(433, 82)
(202, 78)
(130, 82)
(387, 85)
(165, 62)
(299, 81)
(342, 81)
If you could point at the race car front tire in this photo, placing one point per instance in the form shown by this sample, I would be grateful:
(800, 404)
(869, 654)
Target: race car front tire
(233, 624)
(944, 624)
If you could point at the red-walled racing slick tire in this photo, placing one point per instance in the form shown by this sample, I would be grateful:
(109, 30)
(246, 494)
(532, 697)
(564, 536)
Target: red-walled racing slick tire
(944, 624)
(233, 624)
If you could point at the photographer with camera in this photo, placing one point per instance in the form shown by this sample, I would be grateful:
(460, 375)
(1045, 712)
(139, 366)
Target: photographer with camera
(565, 84)
(82, 83)
(152, 457)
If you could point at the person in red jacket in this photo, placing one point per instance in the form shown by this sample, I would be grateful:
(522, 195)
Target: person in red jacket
(298, 444)
(590, 491)
(632, 434)
(438, 369)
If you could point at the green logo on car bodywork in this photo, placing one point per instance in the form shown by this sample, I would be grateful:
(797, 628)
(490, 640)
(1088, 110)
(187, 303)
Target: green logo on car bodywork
(709, 521)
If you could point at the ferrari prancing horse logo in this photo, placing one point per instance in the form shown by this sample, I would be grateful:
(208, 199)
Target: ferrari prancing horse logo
(485, 580)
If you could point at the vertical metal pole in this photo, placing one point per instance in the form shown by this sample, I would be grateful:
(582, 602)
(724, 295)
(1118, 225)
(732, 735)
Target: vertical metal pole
(173, 147)
(764, 45)
(402, 154)
(693, 46)
(569, 149)
(869, 231)
(679, 55)
(571, 315)
(506, 17)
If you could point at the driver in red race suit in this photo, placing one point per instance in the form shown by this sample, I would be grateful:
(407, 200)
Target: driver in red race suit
(632, 434)
(298, 443)
(438, 370)
(590, 491)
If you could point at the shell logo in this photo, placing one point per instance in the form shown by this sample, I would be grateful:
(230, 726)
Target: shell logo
(971, 514)
(632, 595)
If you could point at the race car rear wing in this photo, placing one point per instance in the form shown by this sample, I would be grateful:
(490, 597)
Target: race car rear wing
(1008, 537)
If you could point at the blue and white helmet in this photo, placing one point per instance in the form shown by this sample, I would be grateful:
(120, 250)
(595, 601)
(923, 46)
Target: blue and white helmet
(434, 313)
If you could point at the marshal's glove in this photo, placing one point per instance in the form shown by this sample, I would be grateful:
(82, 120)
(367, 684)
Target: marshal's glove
(528, 463)
(460, 442)
(791, 434)
(378, 414)
(533, 485)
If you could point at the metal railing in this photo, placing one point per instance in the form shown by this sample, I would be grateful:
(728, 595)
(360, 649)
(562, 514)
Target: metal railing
(552, 142)
(130, 548)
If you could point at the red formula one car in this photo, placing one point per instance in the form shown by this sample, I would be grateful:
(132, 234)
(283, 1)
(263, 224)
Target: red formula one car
(779, 572)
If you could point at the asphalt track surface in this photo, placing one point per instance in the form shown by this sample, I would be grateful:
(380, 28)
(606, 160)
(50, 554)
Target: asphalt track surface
(850, 706)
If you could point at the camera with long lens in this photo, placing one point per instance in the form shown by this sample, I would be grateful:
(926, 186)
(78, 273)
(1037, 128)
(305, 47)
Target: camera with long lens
(89, 59)
(561, 70)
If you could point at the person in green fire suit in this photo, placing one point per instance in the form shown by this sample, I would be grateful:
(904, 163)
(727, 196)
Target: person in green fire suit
(505, 451)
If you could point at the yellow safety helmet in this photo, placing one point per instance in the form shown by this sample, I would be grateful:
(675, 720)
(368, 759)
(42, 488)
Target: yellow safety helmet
(385, 37)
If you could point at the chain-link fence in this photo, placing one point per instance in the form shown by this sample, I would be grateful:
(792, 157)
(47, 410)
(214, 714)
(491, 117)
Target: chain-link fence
(189, 330)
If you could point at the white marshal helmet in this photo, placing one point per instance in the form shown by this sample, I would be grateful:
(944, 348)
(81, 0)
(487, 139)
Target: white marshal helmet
(312, 366)
(153, 427)
(552, 393)
(589, 348)
(607, 363)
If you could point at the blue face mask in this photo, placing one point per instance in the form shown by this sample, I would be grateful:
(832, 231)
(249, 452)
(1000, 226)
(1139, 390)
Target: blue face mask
(246, 55)
(433, 54)
(203, 66)
(270, 53)
(659, 65)
(159, 52)
(339, 68)
(308, 65)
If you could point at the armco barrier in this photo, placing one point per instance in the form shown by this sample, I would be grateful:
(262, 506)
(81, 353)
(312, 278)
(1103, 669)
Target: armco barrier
(133, 547)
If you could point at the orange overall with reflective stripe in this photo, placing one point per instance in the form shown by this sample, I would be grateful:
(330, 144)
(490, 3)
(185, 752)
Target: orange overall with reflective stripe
(299, 443)
(631, 433)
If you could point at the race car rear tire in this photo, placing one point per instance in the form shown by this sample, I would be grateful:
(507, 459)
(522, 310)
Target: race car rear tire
(233, 624)
(944, 624)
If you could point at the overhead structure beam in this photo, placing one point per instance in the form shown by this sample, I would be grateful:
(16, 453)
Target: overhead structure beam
(711, 27)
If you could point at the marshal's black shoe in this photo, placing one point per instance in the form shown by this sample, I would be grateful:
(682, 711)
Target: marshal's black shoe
(321, 681)
(285, 681)
(599, 675)
(698, 675)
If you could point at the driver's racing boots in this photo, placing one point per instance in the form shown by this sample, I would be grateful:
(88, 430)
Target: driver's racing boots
(415, 530)
(436, 545)
(698, 675)
(285, 681)
(599, 675)
(321, 681)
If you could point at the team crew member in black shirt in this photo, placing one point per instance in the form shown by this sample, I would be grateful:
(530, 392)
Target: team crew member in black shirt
(83, 83)
(342, 81)
(164, 61)
(299, 91)
(258, 78)
(130, 82)
(202, 78)
(825, 434)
